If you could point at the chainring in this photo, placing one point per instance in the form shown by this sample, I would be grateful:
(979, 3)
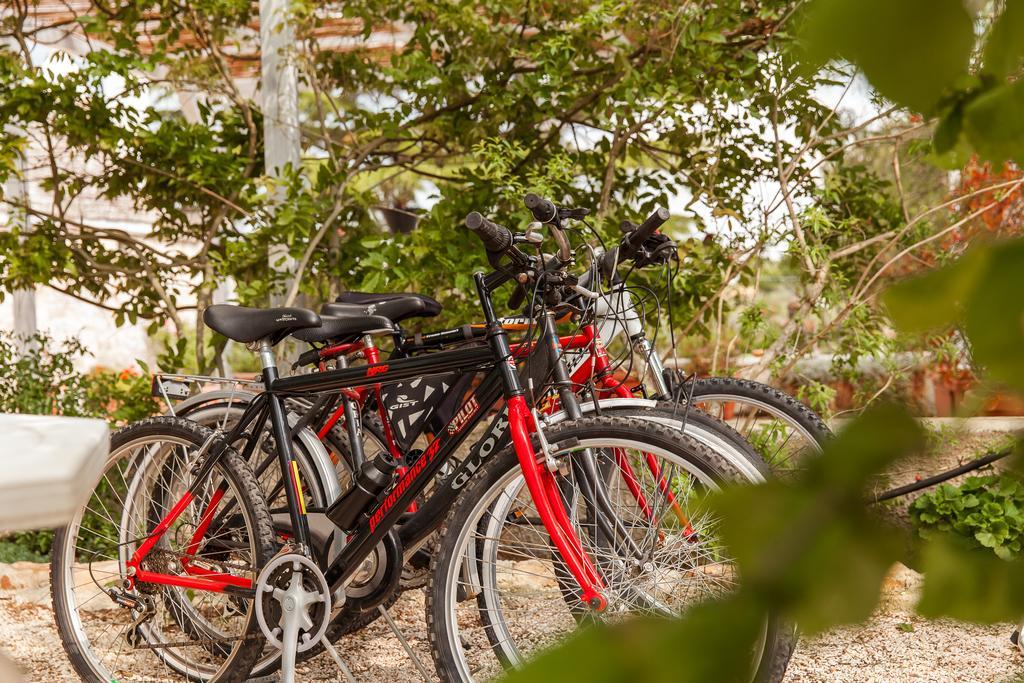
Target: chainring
(293, 582)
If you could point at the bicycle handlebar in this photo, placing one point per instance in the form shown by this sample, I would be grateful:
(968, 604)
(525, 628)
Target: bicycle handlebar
(499, 240)
(542, 209)
(496, 238)
(631, 243)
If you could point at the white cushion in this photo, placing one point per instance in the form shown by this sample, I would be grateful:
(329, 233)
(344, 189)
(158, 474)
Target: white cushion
(48, 468)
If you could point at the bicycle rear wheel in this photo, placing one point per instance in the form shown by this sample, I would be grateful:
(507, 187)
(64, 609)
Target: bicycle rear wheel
(115, 626)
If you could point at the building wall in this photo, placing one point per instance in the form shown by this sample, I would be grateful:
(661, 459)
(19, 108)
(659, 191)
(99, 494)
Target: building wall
(64, 317)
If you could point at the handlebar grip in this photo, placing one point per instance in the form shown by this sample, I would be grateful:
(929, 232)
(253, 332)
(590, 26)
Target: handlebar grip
(543, 210)
(657, 219)
(496, 238)
(518, 297)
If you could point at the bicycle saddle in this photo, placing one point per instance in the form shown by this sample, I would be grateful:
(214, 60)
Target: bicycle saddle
(396, 306)
(343, 327)
(243, 324)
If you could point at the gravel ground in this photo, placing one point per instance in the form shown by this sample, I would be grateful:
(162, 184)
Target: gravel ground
(894, 646)
(897, 646)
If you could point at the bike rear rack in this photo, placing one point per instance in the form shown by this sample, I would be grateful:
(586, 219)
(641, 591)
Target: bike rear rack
(174, 387)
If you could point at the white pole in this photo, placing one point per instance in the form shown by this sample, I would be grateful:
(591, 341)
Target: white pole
(280, 93)
(25, 313)
(24, 300)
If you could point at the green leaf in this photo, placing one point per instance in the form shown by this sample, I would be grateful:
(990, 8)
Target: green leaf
(711, 37)
(1003, 553)
(911, 51)
(994, 314)
(970, 585)
(935, 299)
(993, 124)
(947, 132)
(986, 539)
(1005, 46)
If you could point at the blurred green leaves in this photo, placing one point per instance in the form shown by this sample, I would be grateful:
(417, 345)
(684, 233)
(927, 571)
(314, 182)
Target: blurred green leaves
(810, 546)
(917, 53)
(993, 124)
(656, 650)
(936, 298)
(981, 291)
(910, 50)
(962, 583)
(1004, 49)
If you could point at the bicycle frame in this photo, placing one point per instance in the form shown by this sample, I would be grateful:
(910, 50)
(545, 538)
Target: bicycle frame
(593, 365)
(502, 380)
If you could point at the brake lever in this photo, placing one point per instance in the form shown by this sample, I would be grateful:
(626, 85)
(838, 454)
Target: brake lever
(532, 235)
(575, 214)
(584, 292)
(567, 306)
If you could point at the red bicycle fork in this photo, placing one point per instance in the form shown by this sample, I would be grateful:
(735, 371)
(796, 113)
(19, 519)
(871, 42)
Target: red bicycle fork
(546, 495)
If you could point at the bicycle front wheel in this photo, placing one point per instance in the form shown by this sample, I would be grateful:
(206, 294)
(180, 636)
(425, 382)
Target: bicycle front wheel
(499, 590)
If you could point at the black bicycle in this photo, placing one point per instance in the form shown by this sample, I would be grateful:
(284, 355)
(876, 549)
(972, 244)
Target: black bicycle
(180, 555)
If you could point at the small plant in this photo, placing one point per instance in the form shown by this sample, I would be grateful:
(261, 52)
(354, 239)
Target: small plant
(816, 395)
(38, 376)
(987, 510)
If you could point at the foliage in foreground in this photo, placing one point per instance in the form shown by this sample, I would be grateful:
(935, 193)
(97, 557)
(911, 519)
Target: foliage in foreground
(811, 552)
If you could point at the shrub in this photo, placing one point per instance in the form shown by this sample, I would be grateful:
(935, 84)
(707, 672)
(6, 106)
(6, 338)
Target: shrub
(989, 511)
(39, 377)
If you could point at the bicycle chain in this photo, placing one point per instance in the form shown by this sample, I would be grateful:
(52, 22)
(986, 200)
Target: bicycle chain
(172, 561)
(198, 641)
